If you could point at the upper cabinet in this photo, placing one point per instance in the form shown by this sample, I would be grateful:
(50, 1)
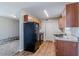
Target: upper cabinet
(61, 23)
(25, 18)
(72, 15)
(62, 20)
(28, 18)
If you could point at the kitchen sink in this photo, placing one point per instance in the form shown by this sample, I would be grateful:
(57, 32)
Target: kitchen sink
(59, 35)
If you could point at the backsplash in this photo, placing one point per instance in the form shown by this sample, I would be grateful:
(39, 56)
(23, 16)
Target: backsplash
(74, 31)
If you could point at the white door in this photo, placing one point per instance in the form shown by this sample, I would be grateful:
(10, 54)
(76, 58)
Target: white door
(49, 30)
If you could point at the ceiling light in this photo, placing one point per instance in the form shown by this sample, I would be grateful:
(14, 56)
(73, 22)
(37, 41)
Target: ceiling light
(46, 13)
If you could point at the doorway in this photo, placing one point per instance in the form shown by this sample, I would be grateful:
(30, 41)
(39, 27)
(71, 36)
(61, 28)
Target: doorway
(49, 28)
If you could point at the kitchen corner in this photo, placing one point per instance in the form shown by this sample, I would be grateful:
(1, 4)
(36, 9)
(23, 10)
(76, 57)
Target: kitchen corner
(66, 44)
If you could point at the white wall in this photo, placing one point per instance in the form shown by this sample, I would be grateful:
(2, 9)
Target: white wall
(21, 27)
(49, 28)
(8, 27)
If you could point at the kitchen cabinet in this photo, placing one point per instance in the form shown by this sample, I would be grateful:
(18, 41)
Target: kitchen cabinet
(72, 15)
(61, 23)
(70, 48)
(25, 18)
(28, 18)
(59, 48)
(66, 48)
(62, 20)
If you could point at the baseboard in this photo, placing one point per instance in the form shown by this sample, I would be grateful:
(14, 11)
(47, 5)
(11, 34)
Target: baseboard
(20, 50)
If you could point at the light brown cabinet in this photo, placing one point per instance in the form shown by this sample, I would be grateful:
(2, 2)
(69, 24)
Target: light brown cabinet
(61, 23)
(28, 18)
(66, 48)
(72, 15)
(62, 20)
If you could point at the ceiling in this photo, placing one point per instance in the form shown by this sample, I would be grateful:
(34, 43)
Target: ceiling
(13, 9)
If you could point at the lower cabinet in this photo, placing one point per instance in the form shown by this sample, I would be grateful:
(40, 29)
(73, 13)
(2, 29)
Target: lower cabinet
(66, 48)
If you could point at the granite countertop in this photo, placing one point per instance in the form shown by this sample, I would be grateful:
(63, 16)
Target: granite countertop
(67, 38)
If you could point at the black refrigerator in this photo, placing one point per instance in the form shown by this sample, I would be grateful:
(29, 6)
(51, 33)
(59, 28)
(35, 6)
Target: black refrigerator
(31, 31)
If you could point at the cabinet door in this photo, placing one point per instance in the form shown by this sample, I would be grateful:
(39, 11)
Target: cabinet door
(66, 48)
(70, 48)
(59, 48)
(72, 15)
(61, 23)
